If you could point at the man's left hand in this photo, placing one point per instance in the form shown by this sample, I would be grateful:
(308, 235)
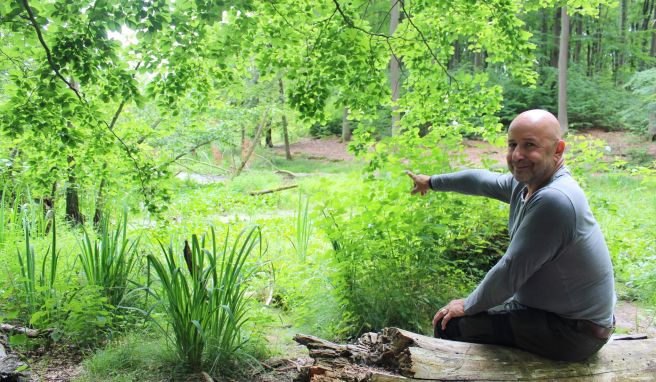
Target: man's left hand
(455, 308)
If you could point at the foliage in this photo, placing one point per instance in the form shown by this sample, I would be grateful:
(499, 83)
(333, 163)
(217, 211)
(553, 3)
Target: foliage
(206, 308)
(36, 288)
(594, 102)
(303, 231)
(399, 256)
(109, 260)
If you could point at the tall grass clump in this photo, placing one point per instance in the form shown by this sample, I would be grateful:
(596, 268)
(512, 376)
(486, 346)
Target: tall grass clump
(205, 304)
(36, 287)
(303, 231)
(109, 260)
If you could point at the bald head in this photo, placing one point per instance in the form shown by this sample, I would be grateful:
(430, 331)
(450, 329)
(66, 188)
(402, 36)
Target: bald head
(540, 120)
(535, 148)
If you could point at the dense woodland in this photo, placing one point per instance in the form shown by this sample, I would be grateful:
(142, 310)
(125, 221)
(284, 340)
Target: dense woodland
(111, 107)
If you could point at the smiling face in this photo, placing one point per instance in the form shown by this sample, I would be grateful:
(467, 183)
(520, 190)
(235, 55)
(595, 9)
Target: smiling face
(535, 150)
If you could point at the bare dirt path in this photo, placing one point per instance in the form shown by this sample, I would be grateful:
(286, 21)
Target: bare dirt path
(619, 144)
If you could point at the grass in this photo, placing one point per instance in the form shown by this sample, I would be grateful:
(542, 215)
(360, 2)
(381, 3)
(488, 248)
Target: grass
(625, 208)
(205, 304)
(136, 356)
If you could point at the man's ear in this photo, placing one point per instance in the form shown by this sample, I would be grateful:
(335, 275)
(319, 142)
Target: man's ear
(560, 148)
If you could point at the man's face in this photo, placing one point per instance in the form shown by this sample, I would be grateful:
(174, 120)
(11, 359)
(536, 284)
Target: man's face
(532, 154)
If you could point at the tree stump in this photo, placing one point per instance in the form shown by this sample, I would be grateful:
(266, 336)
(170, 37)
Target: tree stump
(400, 355)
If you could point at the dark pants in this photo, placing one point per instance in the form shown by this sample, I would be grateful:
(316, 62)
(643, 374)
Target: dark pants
(543, 333)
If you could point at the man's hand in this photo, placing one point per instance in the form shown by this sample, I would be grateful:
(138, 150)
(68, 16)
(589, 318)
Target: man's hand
(421, 183)
(455, 308)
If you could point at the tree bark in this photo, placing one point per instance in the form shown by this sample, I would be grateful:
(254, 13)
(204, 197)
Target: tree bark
(100, 202)
(395, 69)
(399, 355)
(578, 22)
(285, 132)
(49, 205)
(73, 214)
(249, 151)
(346, 126)
(555, 38)
(562, 70)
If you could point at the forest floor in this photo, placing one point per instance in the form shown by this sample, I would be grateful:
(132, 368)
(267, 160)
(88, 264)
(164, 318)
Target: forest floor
(63, 365)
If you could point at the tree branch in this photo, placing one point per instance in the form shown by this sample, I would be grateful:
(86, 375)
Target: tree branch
(51, 62)
(423, 39)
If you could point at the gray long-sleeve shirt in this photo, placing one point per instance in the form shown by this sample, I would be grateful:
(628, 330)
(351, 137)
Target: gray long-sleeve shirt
(557, 259)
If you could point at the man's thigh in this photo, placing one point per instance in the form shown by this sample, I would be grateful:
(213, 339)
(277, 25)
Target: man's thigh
(534, 330)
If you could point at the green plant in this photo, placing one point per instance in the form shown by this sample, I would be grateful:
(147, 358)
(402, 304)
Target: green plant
(109, 260)
(303, 228)
(205, 305)
(37, 289)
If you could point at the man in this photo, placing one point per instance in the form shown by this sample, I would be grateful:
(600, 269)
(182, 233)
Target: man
(552, 293)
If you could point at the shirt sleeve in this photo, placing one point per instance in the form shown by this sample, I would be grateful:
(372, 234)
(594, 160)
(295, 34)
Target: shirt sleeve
(547, 225)
(475, 182)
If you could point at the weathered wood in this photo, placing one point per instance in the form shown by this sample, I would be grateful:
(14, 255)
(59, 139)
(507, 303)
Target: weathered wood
(31, 333)
(253, 193)
(399, 355)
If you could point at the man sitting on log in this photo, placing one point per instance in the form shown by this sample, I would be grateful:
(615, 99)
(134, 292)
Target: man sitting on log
(552, 293)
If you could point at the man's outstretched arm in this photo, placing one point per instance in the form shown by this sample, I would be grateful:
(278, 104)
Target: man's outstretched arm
(469, 182)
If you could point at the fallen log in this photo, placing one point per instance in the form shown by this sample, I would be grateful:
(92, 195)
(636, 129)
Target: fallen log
(400, 355)
(31, 333)
(253, 193)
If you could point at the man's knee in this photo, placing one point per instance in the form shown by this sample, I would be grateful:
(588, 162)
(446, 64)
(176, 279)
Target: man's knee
(451, 332)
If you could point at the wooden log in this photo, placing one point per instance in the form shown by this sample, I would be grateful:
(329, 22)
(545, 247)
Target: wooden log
(253, 193)
(399, 355)
(31, 333)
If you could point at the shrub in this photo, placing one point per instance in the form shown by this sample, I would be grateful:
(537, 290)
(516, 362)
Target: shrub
(401, 258)
(109, 260)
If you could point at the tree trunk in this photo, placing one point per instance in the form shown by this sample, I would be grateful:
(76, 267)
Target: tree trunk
(395, 69)
(346, 126)
(73, 214)
(555, 38)
(398, 355)
(578, 22)
(652, 124)
(652, 50)
(268, 137)
(49, 205)
(285, 132)
(620, 52)
(562, 70)
(598, 58)
(546, 51)
(246, 156)
(100, 202)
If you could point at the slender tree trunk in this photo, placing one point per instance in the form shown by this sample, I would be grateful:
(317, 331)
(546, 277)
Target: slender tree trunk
(73, 214)
(556, 38)
(346, 126)
(620, 51)
(49, 205)
(578, 22)
(588, 56)
(457, 55)
(268, 137)
(598, 58)
(285, 132)
(249, 151)
(544, 28)
(652, 50)
(562, 70)
(395, 69)
(100, 202)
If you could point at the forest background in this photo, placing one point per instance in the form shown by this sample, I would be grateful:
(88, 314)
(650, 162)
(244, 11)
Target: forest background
(136, 135)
